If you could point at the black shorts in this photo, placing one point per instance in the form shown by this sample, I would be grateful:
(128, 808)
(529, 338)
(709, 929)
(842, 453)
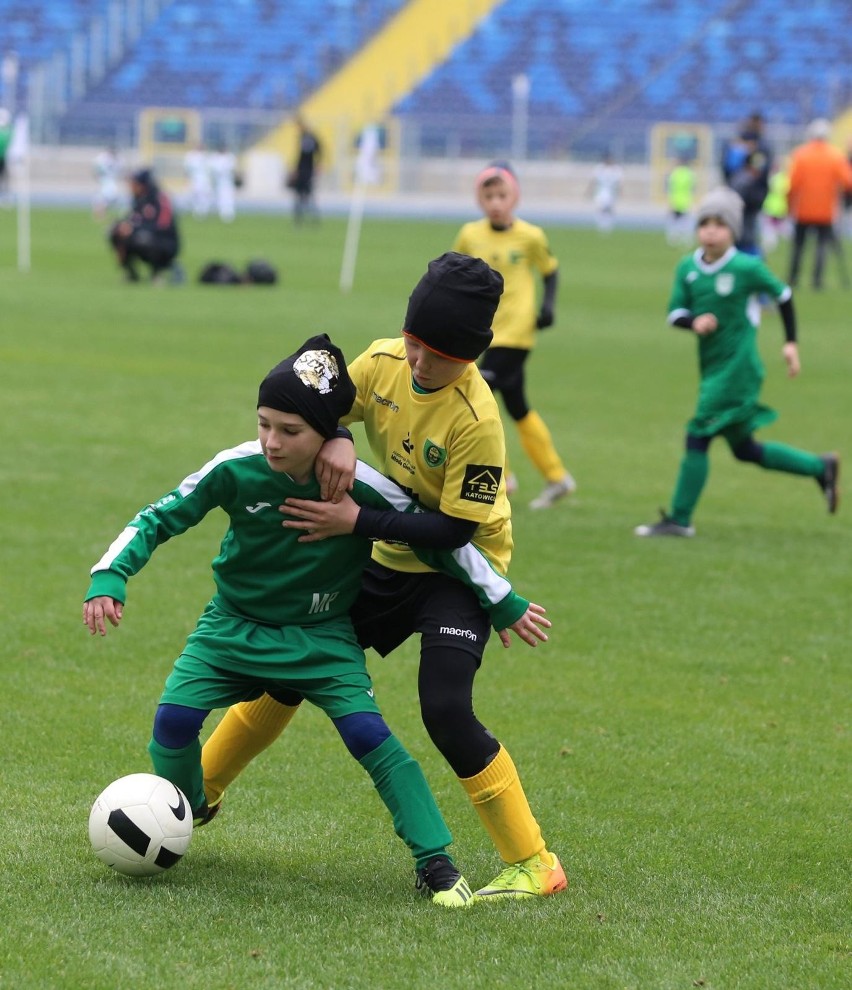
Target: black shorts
(393, 605)
(503, 367)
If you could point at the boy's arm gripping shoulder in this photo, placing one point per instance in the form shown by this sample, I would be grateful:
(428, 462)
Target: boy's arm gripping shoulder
(467, 564)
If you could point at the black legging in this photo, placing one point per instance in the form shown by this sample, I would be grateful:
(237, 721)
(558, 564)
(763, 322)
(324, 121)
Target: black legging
(503, 370)
(445, 684)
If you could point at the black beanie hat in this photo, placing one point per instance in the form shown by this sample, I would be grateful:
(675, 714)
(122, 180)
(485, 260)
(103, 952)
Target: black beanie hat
(451, 308)
(314, 383)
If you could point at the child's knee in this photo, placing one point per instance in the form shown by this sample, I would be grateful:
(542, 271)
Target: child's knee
(362, 732)
(748, 450)
(175, 726)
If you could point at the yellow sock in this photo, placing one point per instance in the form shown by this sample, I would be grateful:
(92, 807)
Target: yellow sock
(498, 797)
(538, 446)
(245, 730)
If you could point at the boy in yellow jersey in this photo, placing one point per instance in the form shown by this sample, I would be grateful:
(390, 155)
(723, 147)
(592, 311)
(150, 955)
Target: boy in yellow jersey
(434, 427)
(518, 250)
(680, 193)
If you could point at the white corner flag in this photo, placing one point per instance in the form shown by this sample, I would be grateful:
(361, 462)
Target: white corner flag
(18, 155)
(367, 173)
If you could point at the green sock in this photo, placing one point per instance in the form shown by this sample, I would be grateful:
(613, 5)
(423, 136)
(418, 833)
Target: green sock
(780, 457)
(181, 767)
(694, 469)
(403, 788)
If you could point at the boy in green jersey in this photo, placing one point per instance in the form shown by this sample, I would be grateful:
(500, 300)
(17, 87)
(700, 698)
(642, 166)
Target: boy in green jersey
(280, 616)
(715, 296)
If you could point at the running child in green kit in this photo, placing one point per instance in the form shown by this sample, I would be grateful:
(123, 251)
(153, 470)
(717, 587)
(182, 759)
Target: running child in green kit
(716, 297)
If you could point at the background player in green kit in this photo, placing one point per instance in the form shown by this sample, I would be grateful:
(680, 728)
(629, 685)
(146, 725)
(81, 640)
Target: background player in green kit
(715, 296)
(519, 251)
(280, 616)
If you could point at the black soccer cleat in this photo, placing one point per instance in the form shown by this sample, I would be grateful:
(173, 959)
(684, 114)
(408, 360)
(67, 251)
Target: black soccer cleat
(206, 814)
(829, 481)
(665, 527)
(440, 879)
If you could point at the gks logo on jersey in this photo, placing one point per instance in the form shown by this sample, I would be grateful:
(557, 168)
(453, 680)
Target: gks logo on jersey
(724, 283)
(480, 483)
(433, 454)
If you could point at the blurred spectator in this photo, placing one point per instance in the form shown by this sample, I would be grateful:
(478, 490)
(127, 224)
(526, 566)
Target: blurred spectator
(149, 233)
(107, 167)
(301, 178)
(223, 166)
(847, 201)
(746, 166)
(819, 176)
(5, 141)
(196, 164)
(605, 188)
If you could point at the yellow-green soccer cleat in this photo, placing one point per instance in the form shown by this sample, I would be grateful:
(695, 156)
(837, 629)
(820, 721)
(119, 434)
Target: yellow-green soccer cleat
(440, 879)
(530, 878)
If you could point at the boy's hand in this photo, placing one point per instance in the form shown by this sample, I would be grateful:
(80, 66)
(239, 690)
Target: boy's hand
(530, 627)
(791, 356)
(544, 318)
(704, 323)
(319, 520)
(335, 468)
(96, 610)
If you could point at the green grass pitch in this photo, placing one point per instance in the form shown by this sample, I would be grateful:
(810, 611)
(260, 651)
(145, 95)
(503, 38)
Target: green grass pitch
(683, 737)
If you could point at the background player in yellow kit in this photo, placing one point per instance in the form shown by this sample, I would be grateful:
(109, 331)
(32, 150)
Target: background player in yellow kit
(518, 250)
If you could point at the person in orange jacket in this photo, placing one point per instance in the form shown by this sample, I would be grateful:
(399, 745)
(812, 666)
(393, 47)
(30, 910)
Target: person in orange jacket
(819, 175)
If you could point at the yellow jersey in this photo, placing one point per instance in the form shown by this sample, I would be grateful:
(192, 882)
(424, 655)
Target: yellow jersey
(446, 449)
(517, 253)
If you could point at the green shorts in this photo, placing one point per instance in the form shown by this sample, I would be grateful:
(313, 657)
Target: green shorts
(228, 659)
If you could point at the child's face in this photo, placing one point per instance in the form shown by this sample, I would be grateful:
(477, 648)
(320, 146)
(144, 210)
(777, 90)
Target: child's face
(289, 445)
(714, 237)
(429, 369)
(497, 200)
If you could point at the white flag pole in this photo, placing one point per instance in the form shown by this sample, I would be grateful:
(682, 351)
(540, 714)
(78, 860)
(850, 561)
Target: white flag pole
(366, 173)
(19, 157)
(353, 236)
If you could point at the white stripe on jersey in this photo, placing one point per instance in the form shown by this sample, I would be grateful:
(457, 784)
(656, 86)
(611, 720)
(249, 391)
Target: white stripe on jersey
(389, 490)
(474, 563)
(248, 449)
(115, 548)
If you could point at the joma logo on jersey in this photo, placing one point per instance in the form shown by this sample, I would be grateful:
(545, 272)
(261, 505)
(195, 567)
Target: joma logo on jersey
(382, 401)
(322, 602)
(481, 482)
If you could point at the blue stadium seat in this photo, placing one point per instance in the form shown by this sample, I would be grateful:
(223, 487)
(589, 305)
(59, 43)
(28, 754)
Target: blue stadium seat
(633, 60)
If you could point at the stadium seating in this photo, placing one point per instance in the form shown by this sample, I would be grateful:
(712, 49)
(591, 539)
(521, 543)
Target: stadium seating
(239, 54)
(636, 60)
(650, 60)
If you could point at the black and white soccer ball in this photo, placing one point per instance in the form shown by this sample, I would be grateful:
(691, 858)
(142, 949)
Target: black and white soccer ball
(140, 825)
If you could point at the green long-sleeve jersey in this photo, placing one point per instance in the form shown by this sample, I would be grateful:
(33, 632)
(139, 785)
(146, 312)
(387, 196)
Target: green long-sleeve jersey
(262, 572)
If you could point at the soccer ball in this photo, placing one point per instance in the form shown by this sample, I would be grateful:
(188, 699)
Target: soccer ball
(140, 825)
